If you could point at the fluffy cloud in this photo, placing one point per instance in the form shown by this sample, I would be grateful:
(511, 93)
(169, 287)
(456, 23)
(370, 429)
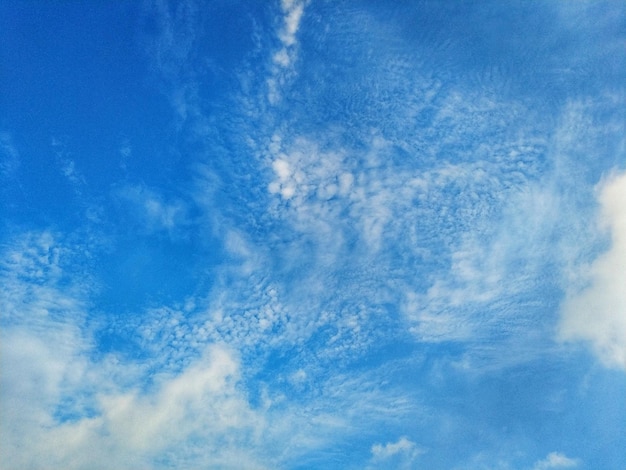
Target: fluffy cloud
(79, 409)
(597, 313)
(132, 429)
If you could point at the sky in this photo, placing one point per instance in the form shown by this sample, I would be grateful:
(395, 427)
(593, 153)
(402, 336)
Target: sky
(313, 234)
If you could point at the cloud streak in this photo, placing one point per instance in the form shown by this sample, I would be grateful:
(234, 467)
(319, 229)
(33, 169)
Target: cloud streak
(283, 59)
(9, 155)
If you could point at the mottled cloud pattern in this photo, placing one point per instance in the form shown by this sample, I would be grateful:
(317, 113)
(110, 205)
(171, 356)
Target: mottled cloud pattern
(308, 234)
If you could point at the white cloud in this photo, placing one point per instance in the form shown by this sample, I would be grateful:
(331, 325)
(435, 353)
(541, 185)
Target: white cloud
(197, 418)
(42, 348)
(348, 200)
(283, 59)
(597, 313)
(320, 184)
(78, 409)
(556, 460)
(293, 10)
(490, 263)
(392, 448)
(200, 403)
(287, 181)
(400, 454)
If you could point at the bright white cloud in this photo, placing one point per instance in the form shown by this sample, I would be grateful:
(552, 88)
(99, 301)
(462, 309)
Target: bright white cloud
(197, 418)
(597, 313)
(293, 10)
(556, 460)
(201, 404)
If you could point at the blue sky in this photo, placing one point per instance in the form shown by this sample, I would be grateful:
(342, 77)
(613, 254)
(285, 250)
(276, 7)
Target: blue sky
(312, 235)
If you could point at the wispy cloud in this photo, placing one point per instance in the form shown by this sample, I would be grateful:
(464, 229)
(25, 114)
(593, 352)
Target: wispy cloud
(9, 155)
(68, 166)
(153, 212)
(283, 59)
(400, 454)
(126, 152)
(556, 460)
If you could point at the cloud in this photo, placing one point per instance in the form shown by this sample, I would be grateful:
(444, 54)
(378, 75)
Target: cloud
(126, 153)
(197, 418)
(152, 211)
(293, 10)
(359, 201)
(491, 266)
(9, 155)
(42, 349)
(68, 166)
(386, 191)
(400, 454)
(390, 449)
(283, 58)
(202, 403)
(82, 408)
(556, 460)
(185, 402)
(596, 314)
